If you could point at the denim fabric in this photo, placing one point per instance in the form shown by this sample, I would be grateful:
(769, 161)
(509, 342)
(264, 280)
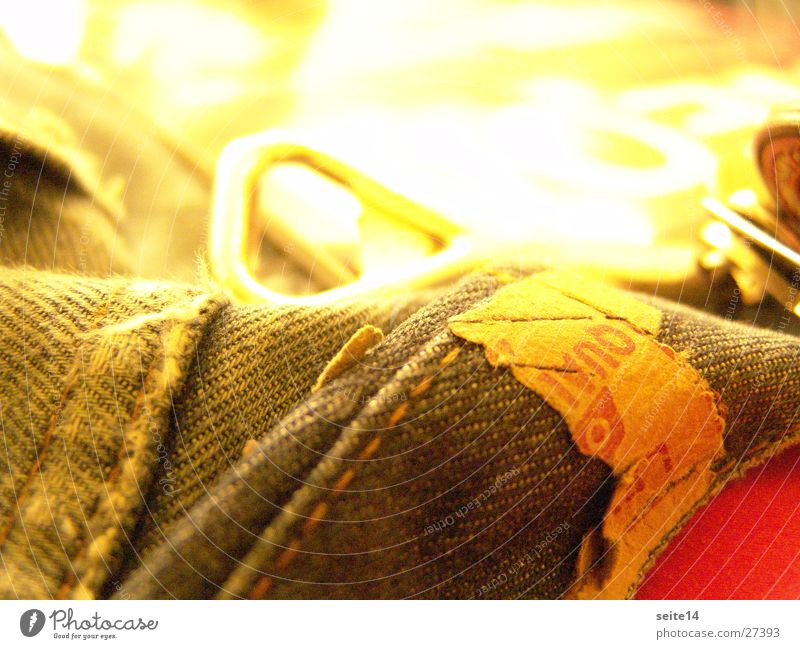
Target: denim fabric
(102, 441)
(88, 371)
(253, 366)
(422, 471)
(160, 441)
(53, 214)
(427, 474)
(432, 469)
(756, 372)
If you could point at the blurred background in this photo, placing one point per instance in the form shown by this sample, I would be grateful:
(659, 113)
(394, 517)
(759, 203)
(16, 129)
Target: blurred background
(592, 130)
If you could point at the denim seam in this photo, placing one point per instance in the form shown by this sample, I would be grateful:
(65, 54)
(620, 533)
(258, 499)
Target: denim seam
(69, 382)
(286, 557)
(183, 327)
(70, 575)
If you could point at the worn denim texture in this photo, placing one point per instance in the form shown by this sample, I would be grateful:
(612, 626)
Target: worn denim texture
(88, 374)
(473, 489)
(126, 406)
(161, 441)
(53, 213)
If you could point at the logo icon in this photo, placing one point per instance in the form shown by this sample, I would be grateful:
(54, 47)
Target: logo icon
(31, 622)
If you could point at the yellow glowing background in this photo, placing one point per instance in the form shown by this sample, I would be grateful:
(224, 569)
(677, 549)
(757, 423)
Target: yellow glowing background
(591, 130)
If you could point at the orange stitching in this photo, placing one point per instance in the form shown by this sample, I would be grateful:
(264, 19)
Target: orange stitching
(314, 519)
(398, 413)
(261, 588)
(344, 480)
(264, 584)
(369, 449)
(451, 356)
(421, 387)
(287, 556)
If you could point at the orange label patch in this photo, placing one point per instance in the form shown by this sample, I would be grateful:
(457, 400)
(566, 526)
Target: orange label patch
(590, 352)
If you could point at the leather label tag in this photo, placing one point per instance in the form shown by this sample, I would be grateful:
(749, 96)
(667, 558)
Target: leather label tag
(590, 352)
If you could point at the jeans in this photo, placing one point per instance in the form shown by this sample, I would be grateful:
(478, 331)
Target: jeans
(162, 441)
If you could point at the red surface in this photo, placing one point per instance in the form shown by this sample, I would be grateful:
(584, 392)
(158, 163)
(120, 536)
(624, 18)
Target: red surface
(744, 544)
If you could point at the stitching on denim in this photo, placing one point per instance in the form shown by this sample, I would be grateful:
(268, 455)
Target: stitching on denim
(70, 576)
(200, 306)
(70, 379)
(263, 585)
